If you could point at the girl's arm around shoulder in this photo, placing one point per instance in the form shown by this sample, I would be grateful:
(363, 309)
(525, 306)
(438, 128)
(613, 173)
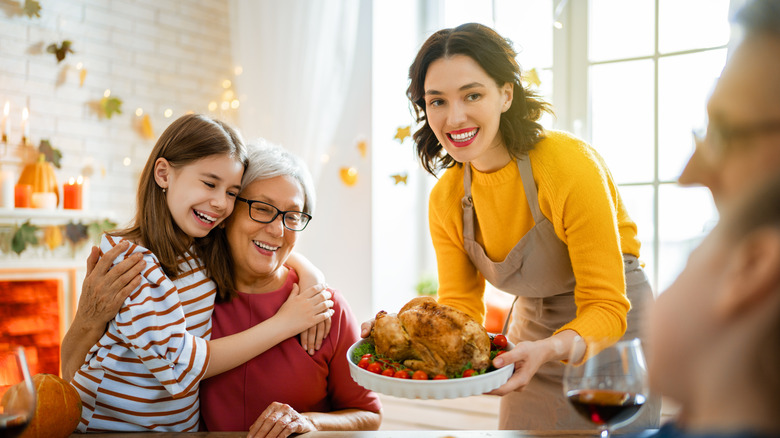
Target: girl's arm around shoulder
(302, 309)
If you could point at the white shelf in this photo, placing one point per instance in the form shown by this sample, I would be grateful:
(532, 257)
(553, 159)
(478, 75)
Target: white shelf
(51, 216)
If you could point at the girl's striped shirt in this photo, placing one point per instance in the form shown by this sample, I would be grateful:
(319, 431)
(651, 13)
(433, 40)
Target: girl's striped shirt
(144, 373)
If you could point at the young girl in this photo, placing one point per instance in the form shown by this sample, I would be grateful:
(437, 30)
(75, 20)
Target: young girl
(144, 372)
(714, 334)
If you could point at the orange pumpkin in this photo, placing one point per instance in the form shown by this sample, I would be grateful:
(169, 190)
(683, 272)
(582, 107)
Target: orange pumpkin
(57, 407)
(40, 175)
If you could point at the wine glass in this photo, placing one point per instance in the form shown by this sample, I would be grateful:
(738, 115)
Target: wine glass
(17, 396)
(610, 387)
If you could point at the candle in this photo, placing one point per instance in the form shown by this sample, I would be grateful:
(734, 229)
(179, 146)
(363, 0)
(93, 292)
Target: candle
(23, 195)
(72, 194)
(7, 189)
(47, 200)
(4, 123)
(25, 125)
(85, 193)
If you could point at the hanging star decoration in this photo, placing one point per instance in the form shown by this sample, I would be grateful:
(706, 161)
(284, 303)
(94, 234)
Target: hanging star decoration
(32, 8)
(60, 51)
(532, 77)
(362, 146)
(399, 178)
(403, 132)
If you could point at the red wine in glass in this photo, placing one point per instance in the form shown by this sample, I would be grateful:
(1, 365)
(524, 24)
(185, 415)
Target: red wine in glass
(606, 407)
(17, 395)
(609, 385)
(11, 426)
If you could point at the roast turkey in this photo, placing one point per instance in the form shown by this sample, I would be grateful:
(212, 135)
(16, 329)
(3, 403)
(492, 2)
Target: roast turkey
(432, 337)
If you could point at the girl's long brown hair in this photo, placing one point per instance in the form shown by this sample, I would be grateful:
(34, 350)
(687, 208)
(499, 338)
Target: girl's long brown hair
(188, 139)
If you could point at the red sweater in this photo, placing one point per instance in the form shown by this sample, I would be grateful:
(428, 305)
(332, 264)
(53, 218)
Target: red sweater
(286, 373)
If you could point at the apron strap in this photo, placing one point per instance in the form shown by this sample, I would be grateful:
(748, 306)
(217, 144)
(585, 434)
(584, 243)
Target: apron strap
(531, 194)
(467, 204)
(509, 316)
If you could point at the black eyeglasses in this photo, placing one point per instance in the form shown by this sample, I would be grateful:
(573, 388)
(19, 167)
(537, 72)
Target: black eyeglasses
(266, 213)
(719, 138)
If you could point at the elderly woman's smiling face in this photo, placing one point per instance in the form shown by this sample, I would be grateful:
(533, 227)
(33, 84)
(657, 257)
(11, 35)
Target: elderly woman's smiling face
(260, 250)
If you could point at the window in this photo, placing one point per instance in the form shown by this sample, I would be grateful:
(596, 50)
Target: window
(649, 68)
(632, 78)
(629, 76)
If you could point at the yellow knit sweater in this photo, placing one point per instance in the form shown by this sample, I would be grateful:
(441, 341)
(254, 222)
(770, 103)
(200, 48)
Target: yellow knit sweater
(577, 195)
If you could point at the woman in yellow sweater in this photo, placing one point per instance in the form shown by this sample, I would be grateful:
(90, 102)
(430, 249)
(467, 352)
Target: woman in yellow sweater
(534, 212)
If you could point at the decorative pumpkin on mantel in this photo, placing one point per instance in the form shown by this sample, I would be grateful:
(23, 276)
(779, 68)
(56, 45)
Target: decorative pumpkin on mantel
(40, 175)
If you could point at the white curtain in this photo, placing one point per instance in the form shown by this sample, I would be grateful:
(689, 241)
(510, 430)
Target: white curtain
(297, 60)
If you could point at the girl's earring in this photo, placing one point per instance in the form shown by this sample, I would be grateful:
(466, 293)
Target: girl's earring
(164, 189)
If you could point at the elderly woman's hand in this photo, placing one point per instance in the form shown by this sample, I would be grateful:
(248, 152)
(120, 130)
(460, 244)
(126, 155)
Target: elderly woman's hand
(102, 294)
(280, 420)
(106, 288)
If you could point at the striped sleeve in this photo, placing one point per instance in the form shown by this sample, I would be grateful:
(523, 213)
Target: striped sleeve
(152, 324)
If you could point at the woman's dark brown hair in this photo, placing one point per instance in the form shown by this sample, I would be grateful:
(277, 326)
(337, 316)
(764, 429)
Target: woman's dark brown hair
(188, 139)
(518, 126)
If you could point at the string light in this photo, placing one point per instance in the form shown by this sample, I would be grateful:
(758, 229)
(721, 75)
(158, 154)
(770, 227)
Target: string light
(238, 70)
(107, 93)
(127, 161)
(139, 112)
(234, 104)
(212, 106)
(168, 113)
(226, 83)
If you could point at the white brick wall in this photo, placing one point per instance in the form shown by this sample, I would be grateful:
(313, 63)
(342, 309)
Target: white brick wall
(153, 54)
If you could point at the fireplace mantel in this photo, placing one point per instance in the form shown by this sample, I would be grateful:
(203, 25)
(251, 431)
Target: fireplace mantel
(65, 264)
(58, 216)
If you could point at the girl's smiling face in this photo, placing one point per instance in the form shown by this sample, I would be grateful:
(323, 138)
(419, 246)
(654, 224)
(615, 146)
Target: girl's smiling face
(201, 194)
(463, 106)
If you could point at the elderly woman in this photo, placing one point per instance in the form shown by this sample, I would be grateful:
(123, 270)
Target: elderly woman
(309, 386)
(284, 390)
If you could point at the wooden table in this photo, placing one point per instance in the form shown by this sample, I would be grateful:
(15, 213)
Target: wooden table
(371, 434)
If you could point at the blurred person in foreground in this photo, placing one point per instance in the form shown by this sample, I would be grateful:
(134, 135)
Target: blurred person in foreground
(742, 143)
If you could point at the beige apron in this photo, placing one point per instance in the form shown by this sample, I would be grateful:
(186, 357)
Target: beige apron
(538, 271)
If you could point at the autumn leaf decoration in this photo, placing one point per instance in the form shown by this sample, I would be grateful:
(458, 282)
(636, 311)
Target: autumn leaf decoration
(75, 232)
(60, 51)
(110, 106)
(32, 8)
(24, 235)
(52, 155)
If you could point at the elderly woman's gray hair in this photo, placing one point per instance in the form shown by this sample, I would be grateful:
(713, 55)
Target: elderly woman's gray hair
(268, 160)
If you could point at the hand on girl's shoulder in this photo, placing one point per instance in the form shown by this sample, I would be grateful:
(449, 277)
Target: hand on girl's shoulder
(108, 241)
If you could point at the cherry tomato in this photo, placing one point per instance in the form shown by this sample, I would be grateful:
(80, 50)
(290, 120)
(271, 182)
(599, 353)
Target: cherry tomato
(367, 355)
(500, 352)
(375, 367)
(401, 374)
(440, 377)
(468, 373)
(420, 375)
(363, 363)
(389, 372)
(500, 341)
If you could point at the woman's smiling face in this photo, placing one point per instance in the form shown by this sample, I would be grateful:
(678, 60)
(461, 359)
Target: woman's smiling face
(463, 106)
(260, 250)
